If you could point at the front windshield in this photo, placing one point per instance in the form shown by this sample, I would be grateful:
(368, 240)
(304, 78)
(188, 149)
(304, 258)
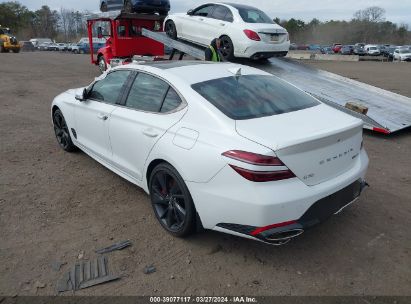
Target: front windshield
(253, 15)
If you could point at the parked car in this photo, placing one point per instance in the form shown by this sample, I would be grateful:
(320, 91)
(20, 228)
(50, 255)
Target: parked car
(62, 47)
(337, 47)
(359, 50)
(347, 50)
(402, 54)
(27, 46)
(327, 50)
(372, 50)
(84, 48)
(303, 47)
(37, 41)
(202, 145)
(161, 7)
(245, 31)
(44, 46)
(314, 47)
(70, 46)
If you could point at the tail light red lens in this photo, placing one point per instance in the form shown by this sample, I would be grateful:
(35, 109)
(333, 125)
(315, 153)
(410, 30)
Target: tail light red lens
(263, 176)
(252, 35)
(259, 160)
(253, 158)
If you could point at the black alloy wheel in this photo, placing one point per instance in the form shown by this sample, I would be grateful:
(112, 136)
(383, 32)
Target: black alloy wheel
(171, 201)
(62, 132)
(171, 30)
(227, 48)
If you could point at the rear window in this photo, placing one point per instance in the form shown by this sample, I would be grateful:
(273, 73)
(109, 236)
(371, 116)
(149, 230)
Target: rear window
(253, 96)
(250, 15)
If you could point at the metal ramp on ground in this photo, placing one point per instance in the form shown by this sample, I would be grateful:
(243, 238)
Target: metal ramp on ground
(387, 112)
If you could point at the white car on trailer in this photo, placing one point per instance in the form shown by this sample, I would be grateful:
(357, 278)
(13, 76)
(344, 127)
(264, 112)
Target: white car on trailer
(218, 145)
(245, 31)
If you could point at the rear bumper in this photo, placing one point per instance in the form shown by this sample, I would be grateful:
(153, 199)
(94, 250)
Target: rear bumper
(229, 199)
(251, 48)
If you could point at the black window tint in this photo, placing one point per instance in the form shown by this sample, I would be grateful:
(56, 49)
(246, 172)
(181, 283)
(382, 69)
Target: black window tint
(147, 93)
(204, 11)
(109, 88)
(171, 102)
(253, 96)
(221, 12)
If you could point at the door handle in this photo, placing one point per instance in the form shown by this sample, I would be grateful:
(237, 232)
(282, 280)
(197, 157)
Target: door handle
(222, 24)
(102, 116)
(201, 19)
(150, 133)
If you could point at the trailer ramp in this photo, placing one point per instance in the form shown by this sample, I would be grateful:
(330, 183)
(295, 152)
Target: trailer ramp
(183, 47)
(387, 112)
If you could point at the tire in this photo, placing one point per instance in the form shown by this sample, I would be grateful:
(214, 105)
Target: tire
(128, 7)
(75, 51)
(16, 51)
(103, 7)
(171, 30)
(62, 132)
(171, 201)
(2, 48)
(102, 65)
(227, 48)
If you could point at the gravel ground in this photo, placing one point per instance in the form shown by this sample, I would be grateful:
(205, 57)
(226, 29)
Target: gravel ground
(56, 206)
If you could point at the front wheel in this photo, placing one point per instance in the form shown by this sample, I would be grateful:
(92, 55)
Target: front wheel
(171, 201)
(62, 132)
(227, 48)
(102, 65)
(171, 30)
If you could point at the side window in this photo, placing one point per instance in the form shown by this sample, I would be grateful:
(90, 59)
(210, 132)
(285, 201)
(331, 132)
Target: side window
(121, 30)
(204, 11)
(171, 102)
(222, 13)
(109, 88)
(147, 93)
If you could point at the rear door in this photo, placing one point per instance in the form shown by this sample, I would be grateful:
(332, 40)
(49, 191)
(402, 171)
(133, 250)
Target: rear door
(150, 109)
(219, 22)
(93, 115)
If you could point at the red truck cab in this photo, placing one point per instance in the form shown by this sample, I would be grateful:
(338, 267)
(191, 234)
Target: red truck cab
(123, 36)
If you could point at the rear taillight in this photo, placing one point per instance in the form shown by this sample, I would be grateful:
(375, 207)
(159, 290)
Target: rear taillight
(252, 35)
(273, 174)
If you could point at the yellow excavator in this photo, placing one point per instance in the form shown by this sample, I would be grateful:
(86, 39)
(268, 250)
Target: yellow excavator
(8, 42)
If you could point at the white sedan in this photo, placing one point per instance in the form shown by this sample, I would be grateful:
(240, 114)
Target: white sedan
(245, 31)
(218, 145)
(402, 54)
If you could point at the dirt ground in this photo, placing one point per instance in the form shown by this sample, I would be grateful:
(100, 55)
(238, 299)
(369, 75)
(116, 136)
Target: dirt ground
(59, 207)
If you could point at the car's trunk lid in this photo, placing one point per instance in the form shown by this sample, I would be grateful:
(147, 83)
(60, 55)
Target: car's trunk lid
(317, 144)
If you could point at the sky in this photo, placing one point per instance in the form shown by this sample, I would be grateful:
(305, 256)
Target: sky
(398, 11)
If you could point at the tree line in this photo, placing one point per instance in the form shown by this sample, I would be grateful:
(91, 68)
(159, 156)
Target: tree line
(367, 26)
(63, 25)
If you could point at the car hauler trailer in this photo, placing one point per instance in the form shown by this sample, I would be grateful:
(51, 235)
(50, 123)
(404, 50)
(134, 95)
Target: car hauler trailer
(381, 111)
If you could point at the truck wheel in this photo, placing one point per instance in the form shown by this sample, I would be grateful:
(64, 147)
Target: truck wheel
(103, 7)
(171, 30)
(128, 7)
(2, 49)
(16, 51)
(102, 65)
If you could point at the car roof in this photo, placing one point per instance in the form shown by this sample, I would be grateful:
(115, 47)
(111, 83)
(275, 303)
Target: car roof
(190, 72)
(237, 5)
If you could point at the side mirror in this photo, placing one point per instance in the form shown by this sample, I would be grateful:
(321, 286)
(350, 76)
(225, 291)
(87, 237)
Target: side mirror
(100, 32)
(81, 94)
(190, 12)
